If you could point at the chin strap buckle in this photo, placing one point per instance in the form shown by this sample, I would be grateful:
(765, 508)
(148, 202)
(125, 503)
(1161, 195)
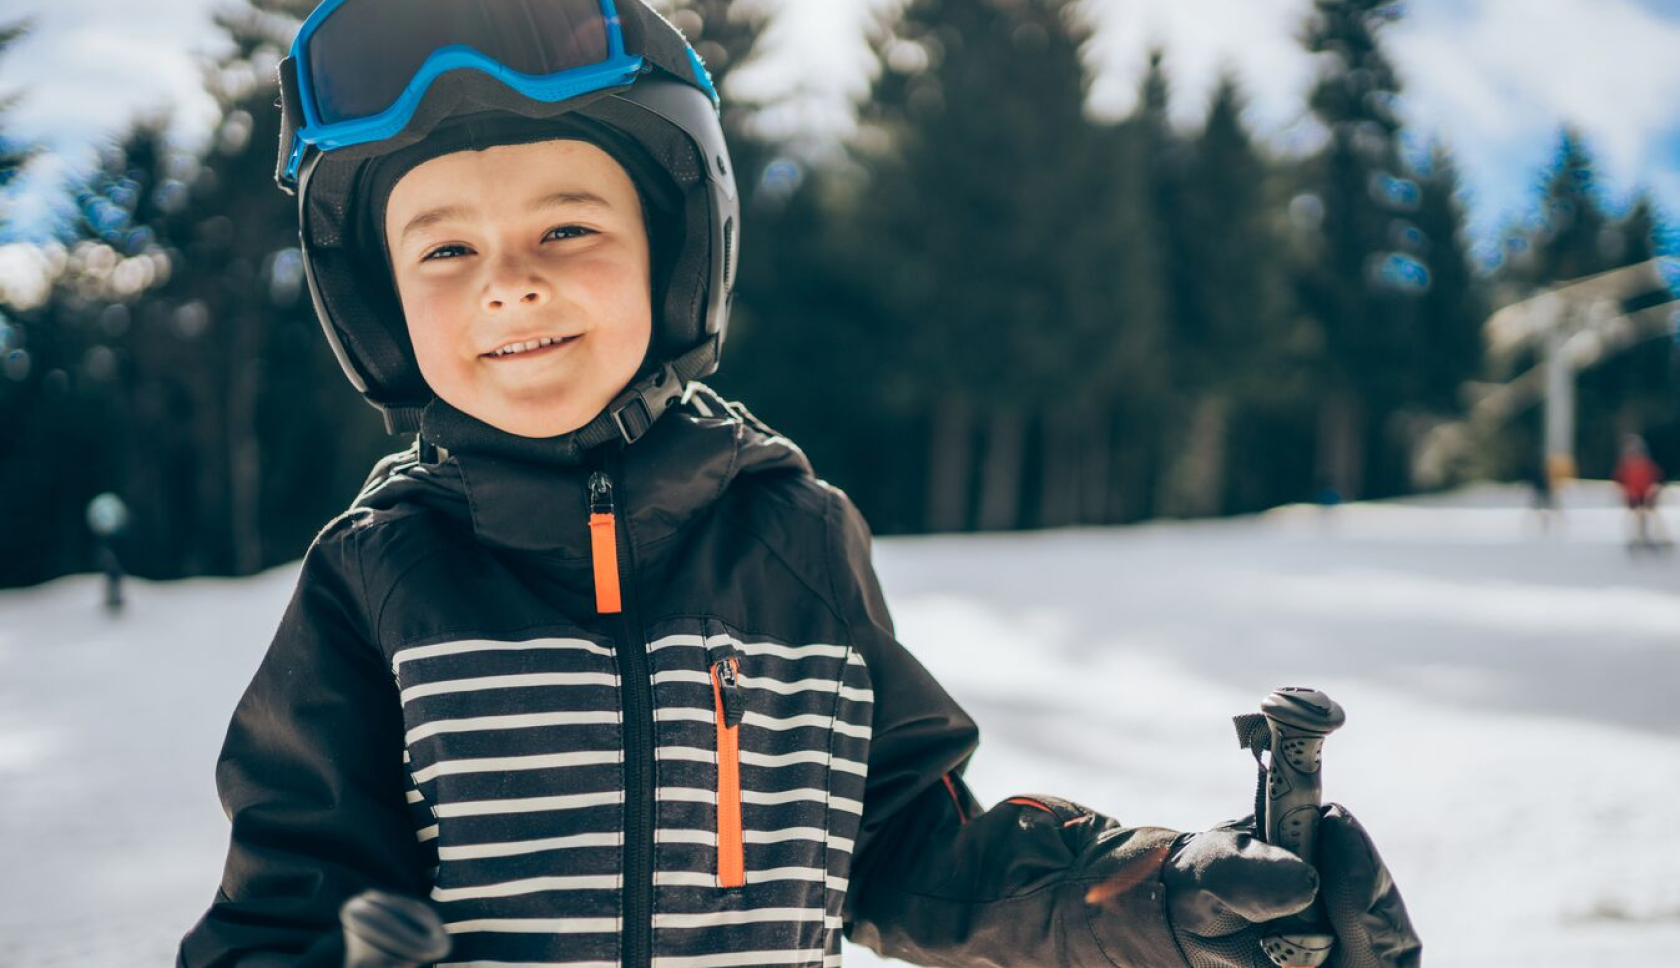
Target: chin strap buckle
(636, 409)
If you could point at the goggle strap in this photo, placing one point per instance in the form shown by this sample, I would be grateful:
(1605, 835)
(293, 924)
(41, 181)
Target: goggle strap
(291, 116)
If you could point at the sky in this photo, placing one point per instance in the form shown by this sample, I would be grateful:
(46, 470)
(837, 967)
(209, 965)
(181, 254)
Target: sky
(1493, 79)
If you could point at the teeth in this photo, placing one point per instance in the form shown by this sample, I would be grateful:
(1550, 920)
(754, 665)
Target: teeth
(527, 346)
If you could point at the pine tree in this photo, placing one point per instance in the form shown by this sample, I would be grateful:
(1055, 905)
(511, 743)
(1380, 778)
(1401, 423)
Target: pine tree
(1448, 350)
(1155, 257)
(296, 440)
(1356, 284)
(1118, 375)
(801, 327)
(1242, 389)
(1571, 240)
(49, 424)
(134, 209)
(808, 342)
(979, 110)
(13, 155)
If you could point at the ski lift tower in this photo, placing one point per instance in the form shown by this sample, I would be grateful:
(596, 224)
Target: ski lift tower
(1576, 324)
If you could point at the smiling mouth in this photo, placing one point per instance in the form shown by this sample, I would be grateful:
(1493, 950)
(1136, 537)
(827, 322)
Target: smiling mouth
(535, 347)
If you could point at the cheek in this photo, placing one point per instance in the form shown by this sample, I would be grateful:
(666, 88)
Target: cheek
(428, 317)
(633, 337)
(623, 307)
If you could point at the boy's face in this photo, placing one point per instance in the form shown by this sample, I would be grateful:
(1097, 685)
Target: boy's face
(516, 243)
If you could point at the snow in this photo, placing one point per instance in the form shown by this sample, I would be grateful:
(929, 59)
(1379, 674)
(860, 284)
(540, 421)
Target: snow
(1513, 736)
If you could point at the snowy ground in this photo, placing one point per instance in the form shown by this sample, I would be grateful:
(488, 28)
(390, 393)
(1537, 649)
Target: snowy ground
(1513, 698)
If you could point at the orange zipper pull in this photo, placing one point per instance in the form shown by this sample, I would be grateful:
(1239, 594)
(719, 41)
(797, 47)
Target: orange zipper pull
(726, 705)
(603, 544)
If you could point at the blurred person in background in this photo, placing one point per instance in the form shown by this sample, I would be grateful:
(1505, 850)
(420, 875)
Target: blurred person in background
(107, 518)
(1543, 494)
(1641, 480)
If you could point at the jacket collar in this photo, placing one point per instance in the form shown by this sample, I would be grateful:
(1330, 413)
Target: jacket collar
(530, 494)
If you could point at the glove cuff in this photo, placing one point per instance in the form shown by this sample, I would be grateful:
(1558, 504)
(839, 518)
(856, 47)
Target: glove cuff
(1124, 900)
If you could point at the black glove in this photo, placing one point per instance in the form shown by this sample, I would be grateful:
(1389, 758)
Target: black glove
(1224, 885)
(1365, 908)
(384, 930)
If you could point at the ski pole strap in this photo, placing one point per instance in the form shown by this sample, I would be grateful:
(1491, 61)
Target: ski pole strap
(1252, 732)
(1255, 735)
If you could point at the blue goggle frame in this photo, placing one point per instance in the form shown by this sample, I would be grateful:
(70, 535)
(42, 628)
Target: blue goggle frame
(617, 70)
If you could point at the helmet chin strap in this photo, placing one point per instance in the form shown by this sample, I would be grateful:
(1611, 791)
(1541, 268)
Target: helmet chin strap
(627, 417)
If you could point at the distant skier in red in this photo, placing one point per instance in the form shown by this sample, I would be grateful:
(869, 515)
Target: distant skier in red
(1641, 480)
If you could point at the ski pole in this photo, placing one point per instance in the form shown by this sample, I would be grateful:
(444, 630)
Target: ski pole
(1297, 720)
(384, 930)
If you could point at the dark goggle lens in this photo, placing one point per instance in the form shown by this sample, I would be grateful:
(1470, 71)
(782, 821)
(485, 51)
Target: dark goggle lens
(363, 54)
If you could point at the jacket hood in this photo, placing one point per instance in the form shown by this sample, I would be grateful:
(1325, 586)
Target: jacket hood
(530, 494)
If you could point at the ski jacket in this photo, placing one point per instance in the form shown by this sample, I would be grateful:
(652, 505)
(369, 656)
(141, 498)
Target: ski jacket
(1638, 476)
(730, 765)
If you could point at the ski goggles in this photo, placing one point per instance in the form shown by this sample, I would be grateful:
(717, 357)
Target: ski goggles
(359, 69)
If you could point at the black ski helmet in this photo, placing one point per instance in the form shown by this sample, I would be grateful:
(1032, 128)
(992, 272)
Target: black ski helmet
(667, 108)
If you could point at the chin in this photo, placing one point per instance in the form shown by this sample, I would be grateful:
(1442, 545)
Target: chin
(546, 426)
(534, 411)
(532, 416)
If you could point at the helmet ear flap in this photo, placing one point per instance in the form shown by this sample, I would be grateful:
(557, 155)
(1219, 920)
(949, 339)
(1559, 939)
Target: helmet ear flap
(369, 333)
(358, 306)
(692, 112)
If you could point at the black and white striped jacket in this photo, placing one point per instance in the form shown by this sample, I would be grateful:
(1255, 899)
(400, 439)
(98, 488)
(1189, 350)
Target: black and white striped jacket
(733, 768)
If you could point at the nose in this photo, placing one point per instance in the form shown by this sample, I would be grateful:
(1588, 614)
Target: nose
(514, 283)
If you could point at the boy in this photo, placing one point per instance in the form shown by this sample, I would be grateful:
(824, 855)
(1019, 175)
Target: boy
(599, 667)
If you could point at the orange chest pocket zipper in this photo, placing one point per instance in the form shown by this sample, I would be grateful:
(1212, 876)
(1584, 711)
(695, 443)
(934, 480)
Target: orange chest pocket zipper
(726, 702)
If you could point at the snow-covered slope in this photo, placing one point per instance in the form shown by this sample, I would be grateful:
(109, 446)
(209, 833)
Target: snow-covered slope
(1513, 697)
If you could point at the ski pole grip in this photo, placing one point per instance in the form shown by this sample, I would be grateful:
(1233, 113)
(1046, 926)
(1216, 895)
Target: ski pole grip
(1298, 719)
(383, 930)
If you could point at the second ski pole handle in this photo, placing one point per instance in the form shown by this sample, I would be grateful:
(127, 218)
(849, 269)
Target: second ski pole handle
(383, 930)
(1298, 720)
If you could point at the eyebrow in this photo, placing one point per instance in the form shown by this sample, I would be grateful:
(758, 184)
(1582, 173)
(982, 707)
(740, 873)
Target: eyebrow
(445, 213)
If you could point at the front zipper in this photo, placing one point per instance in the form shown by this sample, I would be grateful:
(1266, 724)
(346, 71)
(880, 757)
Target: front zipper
(603, 544)
(726, 704)
(615, 586)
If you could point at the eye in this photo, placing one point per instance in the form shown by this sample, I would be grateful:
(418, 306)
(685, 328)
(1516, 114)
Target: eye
(569, 232)
(438, 253)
